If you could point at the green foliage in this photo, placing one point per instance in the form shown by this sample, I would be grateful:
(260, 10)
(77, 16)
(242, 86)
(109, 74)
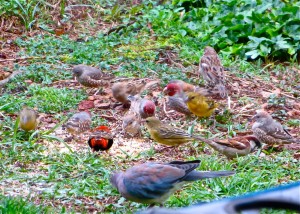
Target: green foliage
(79, 179)
(267, 29)
(26, 11)
(47, 99)
(10, 205)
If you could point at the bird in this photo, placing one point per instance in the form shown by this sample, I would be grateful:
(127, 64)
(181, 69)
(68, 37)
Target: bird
(200, 105)
(141, 106)
(269, 131)
(152, 183)
(101, 139)
(121, 90)
(212, 71)
(166, 134)
(80, 122)
(233, 147)
(175, 100)
(179, 86)
(131, 124)
(91, 77)
(28, 119)
(178, 104)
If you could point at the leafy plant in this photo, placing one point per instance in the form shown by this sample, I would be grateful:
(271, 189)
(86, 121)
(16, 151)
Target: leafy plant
(27, 11)
(250, 29)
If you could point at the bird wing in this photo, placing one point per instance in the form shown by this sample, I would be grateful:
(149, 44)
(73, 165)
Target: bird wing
(212, 67)
(281, 134)
(96, 74)
(232, 143)
(95, 82)
(151, 180)
(211, 103)
(172, 133)
(178, 104)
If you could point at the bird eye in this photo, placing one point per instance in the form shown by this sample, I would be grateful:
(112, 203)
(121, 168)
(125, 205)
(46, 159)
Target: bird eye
(147, 121)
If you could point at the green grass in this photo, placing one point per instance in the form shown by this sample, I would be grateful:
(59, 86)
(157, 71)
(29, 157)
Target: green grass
(71, 179)
(10, 205)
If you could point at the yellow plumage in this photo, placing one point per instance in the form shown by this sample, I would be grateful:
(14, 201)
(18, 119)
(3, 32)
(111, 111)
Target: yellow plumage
(166, 134)
(28, 119)
(200, 105)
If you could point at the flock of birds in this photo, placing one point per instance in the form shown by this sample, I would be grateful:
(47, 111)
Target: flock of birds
(153, 183)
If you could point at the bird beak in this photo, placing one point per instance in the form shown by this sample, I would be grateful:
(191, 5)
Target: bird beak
(130, 98)
(165, 91)
(186, 99)
(252, 118)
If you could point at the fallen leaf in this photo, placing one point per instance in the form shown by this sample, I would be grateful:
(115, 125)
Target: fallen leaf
(91, 98)
(267, 94)
(264, 106)
(102, 105)
(86, 104)
(292, 146)
(293, 113)
(28, 81)
(297, 156)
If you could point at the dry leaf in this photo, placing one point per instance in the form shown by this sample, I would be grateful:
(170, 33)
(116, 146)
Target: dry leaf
(292, 146)
(267, 94)
(86, 104)
(102, 105)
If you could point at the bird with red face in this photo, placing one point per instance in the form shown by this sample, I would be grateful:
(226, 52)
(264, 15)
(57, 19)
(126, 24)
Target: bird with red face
(101, 139)
(177, 93)
(142, 106)
(139, 108)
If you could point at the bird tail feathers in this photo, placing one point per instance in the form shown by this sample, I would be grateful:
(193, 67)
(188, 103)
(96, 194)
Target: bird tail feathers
(222, 90)
(197, 175)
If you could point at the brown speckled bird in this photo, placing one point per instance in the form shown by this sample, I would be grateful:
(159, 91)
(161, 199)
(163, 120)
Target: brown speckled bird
(269, 131)
(211, 69)
(91, 77)
(121, 90)
(78, 123)
(101, 139)
(233, 147)
(28, 119)
(131, 124)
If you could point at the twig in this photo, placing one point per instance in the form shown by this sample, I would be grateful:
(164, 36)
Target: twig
(3, 82)
(229, 102)
(23, 58)
(120, 27)
(108, 117)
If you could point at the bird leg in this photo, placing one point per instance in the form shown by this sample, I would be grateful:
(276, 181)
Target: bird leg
(99, 90)
(165, 110)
